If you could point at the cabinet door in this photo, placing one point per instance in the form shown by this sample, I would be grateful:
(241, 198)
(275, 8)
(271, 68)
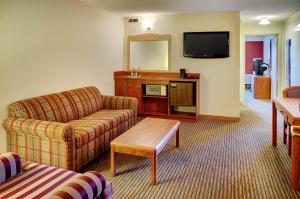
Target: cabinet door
(119, 87)
(181, 94)
(129, 88)
(134, 89)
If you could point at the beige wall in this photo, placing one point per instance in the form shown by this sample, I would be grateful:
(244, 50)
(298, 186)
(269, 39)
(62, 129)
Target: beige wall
(51, 45)
(295, 47)
(253, 28)
(276, 28)
(219, 85)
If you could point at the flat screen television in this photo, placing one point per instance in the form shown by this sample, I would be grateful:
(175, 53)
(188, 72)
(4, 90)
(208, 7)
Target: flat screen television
(206, 44)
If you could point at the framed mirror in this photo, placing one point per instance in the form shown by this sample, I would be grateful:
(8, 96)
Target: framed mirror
(149, 52)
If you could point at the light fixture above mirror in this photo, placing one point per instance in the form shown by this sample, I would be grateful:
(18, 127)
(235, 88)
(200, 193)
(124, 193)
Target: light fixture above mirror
(148, 23)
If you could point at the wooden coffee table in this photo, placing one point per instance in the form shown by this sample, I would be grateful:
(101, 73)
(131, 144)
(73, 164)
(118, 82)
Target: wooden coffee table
(146, 139)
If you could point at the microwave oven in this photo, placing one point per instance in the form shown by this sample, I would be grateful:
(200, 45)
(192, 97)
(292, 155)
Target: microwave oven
(156, 90)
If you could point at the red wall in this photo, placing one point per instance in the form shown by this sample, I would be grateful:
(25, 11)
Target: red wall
(254, 49)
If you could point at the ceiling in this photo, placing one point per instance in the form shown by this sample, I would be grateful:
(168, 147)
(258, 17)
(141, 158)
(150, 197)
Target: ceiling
(251, 10)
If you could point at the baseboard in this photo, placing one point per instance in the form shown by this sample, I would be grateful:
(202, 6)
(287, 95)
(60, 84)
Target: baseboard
(224, 118)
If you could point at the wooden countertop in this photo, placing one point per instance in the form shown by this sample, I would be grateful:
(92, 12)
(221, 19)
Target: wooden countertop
(156, 78)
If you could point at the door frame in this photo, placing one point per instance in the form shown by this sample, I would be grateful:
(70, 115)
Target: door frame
(280, 53)
(288, 62)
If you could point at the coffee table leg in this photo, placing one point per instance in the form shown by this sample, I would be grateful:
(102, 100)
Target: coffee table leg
(153, 168)
(177, 138)
(112, 162)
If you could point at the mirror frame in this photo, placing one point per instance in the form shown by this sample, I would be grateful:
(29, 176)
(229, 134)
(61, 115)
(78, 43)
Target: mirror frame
(149, 37)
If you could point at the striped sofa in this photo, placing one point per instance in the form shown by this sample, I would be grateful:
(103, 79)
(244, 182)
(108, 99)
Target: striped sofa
(67, 129)
(35, 181)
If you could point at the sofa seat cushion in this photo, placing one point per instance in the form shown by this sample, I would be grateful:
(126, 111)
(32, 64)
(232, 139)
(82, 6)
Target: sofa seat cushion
(95, 125)
(114, 117)
(88, 130)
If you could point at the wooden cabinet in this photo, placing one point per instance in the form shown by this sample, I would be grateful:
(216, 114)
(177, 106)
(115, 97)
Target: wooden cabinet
(262, 87)
(181, 94)
(182, 100)
(129, 87)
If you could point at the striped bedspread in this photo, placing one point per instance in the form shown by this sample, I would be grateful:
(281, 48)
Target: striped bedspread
(41, 181)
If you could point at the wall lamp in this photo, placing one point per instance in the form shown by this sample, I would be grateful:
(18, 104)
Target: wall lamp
(148, 24)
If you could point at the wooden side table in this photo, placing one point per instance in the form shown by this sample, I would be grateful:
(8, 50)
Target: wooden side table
(262, 87)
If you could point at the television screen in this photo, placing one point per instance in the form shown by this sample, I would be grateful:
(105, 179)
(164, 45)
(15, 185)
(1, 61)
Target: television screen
(206, 44)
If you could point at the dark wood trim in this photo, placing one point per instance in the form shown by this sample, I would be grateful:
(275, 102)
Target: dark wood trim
(217, 117)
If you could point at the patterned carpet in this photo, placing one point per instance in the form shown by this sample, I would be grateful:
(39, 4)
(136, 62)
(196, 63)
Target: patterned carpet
(216, 159)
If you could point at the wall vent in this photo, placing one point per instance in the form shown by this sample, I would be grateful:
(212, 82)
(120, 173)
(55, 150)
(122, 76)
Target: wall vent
(133, 20)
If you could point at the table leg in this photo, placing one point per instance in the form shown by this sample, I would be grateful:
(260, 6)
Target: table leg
(274, 124)
(153, 168)
(112, 161)
(295, 165)
(177, 138)
(289, 139)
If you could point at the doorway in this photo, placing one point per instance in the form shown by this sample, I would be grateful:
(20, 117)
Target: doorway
(261, 67)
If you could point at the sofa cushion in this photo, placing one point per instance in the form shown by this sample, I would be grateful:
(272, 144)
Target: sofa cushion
(88, 130)
(90, 185)
(41, 181)
(85, 100)
(35, 181)
(115, 117)
(94, 125)
(54, 107)
(10, 165)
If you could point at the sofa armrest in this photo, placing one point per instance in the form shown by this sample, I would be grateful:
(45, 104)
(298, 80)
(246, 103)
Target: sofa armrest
(51, 143)
(44, 129)
(88, 185)
(120, 102)
(10, 165)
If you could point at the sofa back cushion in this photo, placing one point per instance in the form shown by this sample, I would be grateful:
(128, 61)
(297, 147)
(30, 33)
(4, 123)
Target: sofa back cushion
(59, 107)
(85, 101)
(54, 107)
